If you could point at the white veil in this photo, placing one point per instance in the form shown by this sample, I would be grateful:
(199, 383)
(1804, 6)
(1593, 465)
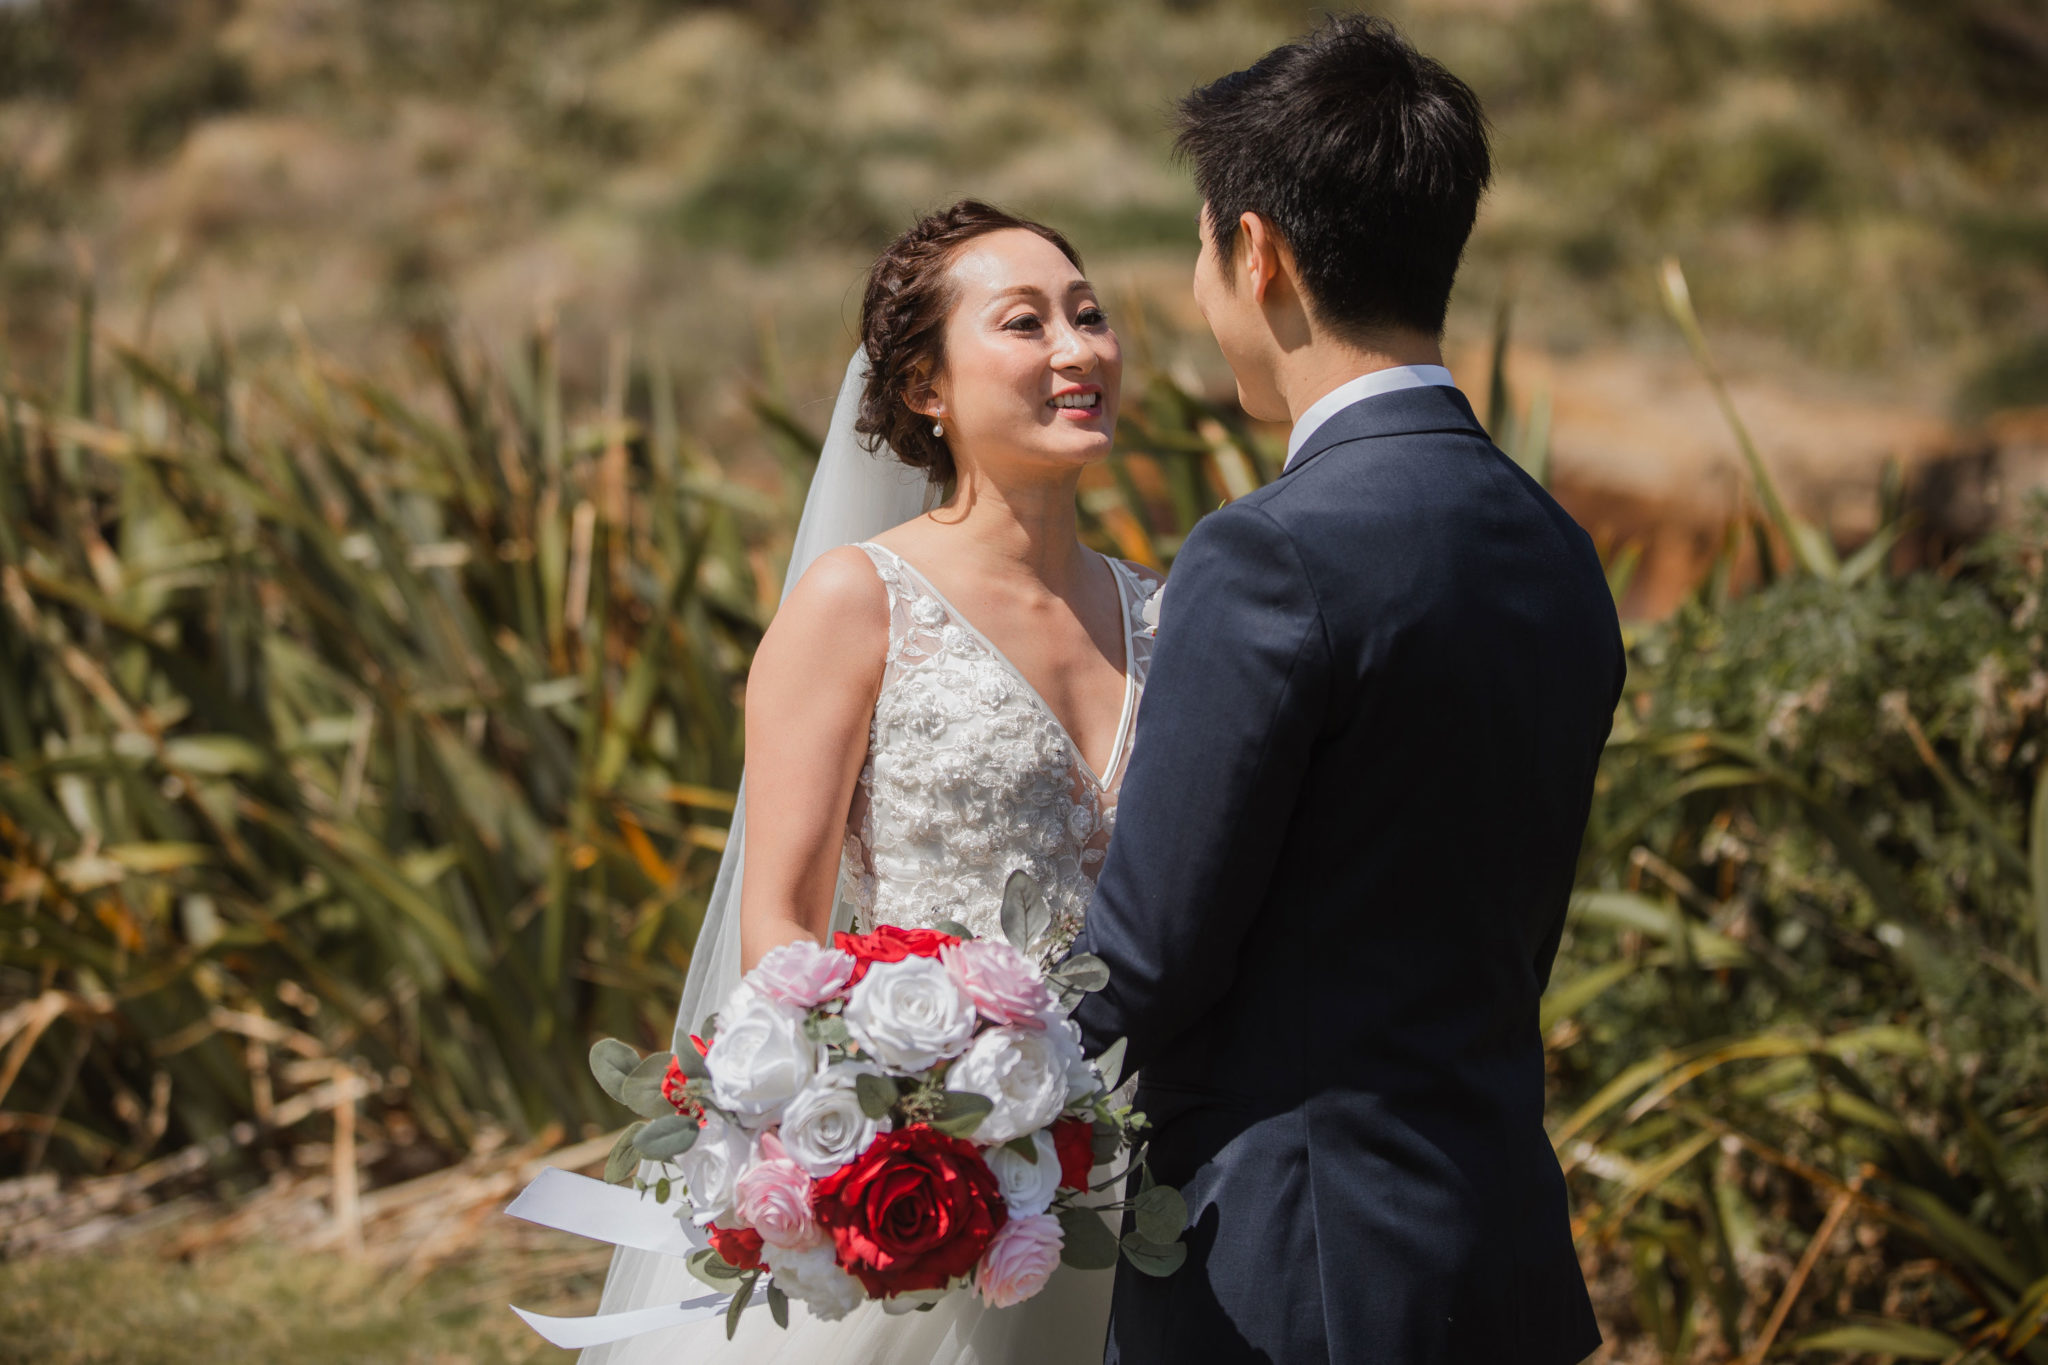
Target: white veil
(854, 495)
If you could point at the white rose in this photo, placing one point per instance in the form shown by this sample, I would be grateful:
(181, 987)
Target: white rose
(814, 1276)
(824, 1128)
(1023, 1072)
(909, 1015)
(760, 1058)
(711, 1166)
(1027, 1186)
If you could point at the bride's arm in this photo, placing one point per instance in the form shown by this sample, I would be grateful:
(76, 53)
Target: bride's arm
(810, 697)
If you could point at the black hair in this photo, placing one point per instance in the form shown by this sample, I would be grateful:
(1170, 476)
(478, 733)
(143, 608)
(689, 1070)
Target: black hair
(1367, 157)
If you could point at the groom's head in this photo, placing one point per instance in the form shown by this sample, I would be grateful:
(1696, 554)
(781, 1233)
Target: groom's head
(1340, 176)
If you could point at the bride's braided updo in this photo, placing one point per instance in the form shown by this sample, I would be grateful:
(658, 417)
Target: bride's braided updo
(903, 325)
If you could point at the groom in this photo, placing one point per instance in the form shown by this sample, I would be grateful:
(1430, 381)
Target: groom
(1365, 756)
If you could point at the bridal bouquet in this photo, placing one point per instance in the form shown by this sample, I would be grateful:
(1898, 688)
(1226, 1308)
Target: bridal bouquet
(901, 1116)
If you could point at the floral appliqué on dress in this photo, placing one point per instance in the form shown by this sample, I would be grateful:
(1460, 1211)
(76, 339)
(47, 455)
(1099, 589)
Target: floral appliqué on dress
(970, 777)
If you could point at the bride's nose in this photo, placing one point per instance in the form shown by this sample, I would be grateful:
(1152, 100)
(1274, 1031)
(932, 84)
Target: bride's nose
(1072, 351)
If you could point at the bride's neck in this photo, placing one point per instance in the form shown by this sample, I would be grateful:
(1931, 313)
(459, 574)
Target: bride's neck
(1026, 525)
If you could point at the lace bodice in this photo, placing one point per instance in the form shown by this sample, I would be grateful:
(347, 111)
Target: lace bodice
(969, 775)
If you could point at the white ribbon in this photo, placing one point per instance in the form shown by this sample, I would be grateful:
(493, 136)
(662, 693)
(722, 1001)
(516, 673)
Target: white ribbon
(605, 1213)
(601, 1329)
(614, 1213)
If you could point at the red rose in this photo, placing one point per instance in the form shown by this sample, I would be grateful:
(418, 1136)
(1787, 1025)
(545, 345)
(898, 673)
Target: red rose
(1074, 1140)
(913, 1211)
(741, 1247)
(890, 944)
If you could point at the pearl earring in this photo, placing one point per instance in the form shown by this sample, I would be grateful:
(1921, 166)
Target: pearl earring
(938, 430)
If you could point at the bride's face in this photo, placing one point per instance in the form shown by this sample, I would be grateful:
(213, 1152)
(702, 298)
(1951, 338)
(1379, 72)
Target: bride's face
(1032, 368)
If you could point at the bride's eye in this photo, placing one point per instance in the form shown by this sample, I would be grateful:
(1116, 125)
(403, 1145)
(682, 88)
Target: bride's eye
(1023, 322)
(1091, 316)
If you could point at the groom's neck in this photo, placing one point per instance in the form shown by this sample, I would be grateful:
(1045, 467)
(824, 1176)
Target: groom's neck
(1309, 371)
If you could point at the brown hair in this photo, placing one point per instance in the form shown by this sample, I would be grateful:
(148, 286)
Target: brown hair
(903, 327)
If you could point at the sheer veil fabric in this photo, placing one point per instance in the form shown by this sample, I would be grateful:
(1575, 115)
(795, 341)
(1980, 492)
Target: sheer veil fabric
(855, 494)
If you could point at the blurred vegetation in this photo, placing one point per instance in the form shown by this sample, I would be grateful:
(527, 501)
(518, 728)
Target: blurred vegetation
(1857, 182)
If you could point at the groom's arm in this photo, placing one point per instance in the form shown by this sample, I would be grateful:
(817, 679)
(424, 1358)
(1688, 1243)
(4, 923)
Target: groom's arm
(1237, 692)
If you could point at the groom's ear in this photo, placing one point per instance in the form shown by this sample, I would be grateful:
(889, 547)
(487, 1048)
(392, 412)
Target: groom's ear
(1264, 260)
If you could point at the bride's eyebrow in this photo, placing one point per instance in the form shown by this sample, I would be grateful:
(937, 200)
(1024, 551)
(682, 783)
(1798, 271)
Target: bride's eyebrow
(1032, 291)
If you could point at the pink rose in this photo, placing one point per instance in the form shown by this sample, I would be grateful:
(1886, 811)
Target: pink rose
(1020, 1260)
(1001, 981)
(775, 1197)
(802, 973)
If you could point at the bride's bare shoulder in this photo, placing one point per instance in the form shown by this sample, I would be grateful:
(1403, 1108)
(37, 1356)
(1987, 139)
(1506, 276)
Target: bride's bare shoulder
(838, 612)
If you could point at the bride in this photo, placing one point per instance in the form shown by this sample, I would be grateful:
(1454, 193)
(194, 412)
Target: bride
(943, 698)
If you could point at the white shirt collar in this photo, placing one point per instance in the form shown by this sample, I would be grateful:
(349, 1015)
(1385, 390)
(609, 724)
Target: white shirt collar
(1365, 386)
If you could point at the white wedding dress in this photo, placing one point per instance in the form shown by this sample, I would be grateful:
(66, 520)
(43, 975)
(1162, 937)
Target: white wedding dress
(969, 777)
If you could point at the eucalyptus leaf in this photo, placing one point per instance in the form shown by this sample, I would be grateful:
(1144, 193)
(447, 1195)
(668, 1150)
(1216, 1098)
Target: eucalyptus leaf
(1107, 1142)
(953, 927)
(741, 1297)
(1083, 972)
(611, 1061)
(701, 1263)
(667, 1138)
(778, 1305)
(1026, 915)
(962, 1113)
(1088, 1243)
(877, 1094)
(1161, 1214)
(624, 1158)
(662, 1189)
(1025, 1146)
(641, 1091)
(1153, 1258)
(1111, 1063)
(689, 1059)
(833, 1032)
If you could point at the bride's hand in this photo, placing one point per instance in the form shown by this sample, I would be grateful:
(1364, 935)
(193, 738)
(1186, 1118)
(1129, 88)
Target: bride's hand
(810, 698)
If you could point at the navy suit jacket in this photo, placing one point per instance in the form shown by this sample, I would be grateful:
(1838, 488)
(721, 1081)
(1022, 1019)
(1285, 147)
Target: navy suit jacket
(1343, 852)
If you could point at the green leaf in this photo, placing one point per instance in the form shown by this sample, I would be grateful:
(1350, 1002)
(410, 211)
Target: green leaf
(832, 1031)
(1161, 1214)
(611, 1061)
(1087, 1243)
(667, 1137)
(953, 927)
(1882, 1338)
(778, 1305)
(641, 1090)
(662, 1189)
(877, 1094)
(624, 1158)
(741, 1297)
(1111, 1063)
(1107, 1142)
(1026, 1147)
(1154, 1258)
(689, 1059)
(707, 1265)
(962, 1113)
(1082, 972)
(1025, 913)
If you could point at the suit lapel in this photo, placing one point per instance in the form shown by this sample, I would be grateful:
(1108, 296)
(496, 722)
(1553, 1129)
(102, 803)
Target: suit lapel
(1405, 412)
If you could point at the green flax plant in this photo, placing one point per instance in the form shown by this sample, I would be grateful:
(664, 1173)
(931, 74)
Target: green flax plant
(346, 733)
(1798, 1028)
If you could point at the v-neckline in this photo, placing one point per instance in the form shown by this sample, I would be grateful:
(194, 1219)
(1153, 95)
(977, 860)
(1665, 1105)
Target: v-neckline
(1123, 606)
